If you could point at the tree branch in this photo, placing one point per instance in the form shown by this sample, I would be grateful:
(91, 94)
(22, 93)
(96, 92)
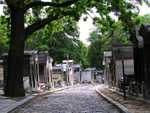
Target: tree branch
(41, 23)
(52, 4)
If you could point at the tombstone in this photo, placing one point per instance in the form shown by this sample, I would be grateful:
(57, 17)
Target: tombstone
(69, 71)
(57, 76)
(35, 71)
(1, 77)
(64, 69)
(76, 73)
(107, 72)
(45, 69)
(122, 64)
(28, 79)
(87, 76)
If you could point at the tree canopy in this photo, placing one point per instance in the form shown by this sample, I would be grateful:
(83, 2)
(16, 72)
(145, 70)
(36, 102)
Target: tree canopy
(3, 35)
(22, 27)
(107, 34)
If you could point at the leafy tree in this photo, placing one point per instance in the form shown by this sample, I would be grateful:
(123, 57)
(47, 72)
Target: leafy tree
(60, 38)
(56, 10)
(20, 33)
(145, 19)
(62, 46)
(102, 39)
(3, 35)
(83, 55)
(110, 31)
(95, 51)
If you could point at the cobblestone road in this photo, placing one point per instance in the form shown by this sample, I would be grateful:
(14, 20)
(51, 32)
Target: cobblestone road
(79, 99)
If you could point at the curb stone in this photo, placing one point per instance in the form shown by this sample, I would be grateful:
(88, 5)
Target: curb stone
(133, 97)
(27, 99)
(17, 104)
(118, 105)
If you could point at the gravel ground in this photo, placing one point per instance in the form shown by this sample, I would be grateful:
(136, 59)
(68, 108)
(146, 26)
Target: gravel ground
(132, 105)
(78, 99)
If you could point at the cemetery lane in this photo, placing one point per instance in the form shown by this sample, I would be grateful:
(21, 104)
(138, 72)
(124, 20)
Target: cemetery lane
(78, 99)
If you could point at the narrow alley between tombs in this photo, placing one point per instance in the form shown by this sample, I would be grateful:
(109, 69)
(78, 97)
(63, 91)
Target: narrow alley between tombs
(77, 99)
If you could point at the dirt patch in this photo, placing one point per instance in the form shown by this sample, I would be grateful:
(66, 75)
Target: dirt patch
(134, 106)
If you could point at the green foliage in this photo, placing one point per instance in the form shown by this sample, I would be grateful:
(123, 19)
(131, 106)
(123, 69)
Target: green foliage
(95, 51)
(43, 36)
(107, 33)
(60, 38)
(62, 46)
(143, 19)
(3, 34)
(110, 31)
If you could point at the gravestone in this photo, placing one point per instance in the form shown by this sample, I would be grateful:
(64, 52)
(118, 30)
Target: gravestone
(122, 55)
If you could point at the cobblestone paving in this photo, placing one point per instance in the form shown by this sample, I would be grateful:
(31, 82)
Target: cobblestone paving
(79, 99)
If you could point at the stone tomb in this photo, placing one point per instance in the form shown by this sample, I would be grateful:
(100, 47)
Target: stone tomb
(37, 70)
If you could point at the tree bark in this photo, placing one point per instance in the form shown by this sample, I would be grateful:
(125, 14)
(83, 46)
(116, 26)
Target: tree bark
(14, 77)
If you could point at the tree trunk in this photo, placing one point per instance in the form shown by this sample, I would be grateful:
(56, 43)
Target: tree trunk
(14, 77)
(147, 71)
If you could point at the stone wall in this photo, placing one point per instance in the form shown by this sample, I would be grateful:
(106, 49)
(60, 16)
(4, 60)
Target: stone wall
(128, 68)
(1, 75)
